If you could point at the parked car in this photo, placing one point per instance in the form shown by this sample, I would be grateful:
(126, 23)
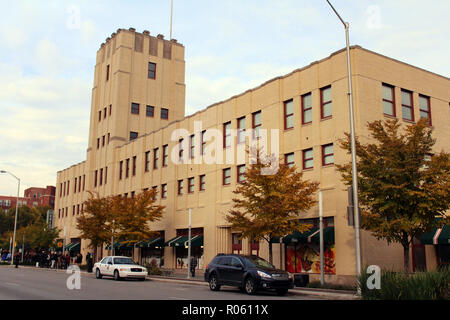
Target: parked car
(119, 267)
(248, 272)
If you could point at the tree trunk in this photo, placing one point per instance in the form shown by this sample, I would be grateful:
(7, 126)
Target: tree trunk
(270, 252)
(406, 258)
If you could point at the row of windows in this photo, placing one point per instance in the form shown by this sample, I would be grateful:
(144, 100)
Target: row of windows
(308, 157)
(104, 139)
(151, 71)
(104, 113)
(149, 111)
(78, 186)
(98, 176)
(388, 101)
(7, 203)
(76, 209)
(191, 185)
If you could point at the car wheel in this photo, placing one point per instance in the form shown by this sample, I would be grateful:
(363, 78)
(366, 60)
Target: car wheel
(213, 284)
(98, 275)
(250, 287)
(116, 275)
(282, 292)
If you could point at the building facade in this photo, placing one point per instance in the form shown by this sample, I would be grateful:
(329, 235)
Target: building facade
(33, 197)
(139, 133)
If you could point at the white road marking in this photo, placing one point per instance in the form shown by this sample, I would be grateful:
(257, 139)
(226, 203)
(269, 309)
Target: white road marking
(12, 284)
(176, 298)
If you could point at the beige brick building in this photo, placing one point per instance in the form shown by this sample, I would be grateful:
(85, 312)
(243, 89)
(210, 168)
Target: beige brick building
(138, 101)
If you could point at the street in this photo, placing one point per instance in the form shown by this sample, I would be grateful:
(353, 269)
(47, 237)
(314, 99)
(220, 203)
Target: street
(43, 284)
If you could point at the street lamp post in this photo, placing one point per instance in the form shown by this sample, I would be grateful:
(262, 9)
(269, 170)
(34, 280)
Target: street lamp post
(15, 218)
(189, 245)
(353, 148)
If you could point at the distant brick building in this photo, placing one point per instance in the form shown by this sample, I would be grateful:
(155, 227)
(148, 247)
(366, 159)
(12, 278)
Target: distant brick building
(33, 197)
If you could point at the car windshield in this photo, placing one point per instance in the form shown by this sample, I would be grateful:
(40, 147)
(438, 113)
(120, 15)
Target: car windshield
(258, 262)
(123, 261)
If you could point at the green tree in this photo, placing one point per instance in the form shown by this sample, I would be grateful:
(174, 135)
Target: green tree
(401, 190)
(268, 205)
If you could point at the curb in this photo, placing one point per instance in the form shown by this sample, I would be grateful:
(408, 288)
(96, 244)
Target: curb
(305, 291)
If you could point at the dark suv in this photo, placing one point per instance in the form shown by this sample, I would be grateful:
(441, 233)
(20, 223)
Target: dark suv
(248, 272)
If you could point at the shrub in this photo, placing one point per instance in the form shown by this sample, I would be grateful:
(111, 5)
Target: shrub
(433, 285)
(152, 269)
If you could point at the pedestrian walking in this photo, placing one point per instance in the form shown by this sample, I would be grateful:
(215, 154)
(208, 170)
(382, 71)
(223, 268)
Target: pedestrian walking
(193, 265)
(79, 259)
(17, 259)
(89, 260)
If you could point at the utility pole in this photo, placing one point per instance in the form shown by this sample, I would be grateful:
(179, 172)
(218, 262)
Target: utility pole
(189, 245)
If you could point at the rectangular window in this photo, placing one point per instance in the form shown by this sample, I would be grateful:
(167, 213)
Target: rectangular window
(107, 72)
(151, 70)
(127, 168)
(289, 114)
(307, 108)
(325, 102)
(203, 142)
(132, 194)
(241, 173)
(407, 105)
(79, 184)
(135, 108)
(109, 136)
(75, 186)
(103, 141)
(226, 176)
(241, 130)
(73, 210)
(64, 189)
(388, 100)
(202, 183)
(106, 175)
(308, 158)
(164, 191)
(100, 116)
(78, 209)
(98, 143)
(180, 187)
(120, 170)
(68, 188)
(101, 176)
(227, 135)
(192, 146)
(327, 154)
(155, 158)
(60, 189)
(95, 178)
(110, 109)
(164, 113)
(150, 112)
(134, 166)
(256, 124)
(289, 159)
(84, 180)
(104, 113)
(180, 150)
(425, 109)
(165, 155)
(191, 185)
(133, 135)
(147, 161)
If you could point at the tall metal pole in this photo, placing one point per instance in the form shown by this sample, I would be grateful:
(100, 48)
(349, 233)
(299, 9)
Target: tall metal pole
(23, 245)
(322, 277)
(112, 239)
(171, 15)
(189, 245)
(15, 218)
(353, 149)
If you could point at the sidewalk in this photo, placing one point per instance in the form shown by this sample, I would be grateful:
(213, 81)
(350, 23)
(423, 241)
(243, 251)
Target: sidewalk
(178, 277)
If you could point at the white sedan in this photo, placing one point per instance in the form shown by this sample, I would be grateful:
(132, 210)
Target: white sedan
(119, 267)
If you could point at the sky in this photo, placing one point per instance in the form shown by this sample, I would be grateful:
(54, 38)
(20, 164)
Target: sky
(48, 50)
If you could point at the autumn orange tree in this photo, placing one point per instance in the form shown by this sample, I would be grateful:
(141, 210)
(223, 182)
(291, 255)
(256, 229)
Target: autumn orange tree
(268, 205)
(401, 188)
(95, 220)
(132, 216)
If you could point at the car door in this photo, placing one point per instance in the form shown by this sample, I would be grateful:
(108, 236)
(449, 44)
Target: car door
(223, 269)
(109, 267)
(236, 271)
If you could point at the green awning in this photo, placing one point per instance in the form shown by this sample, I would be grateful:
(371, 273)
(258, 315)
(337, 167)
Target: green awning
(312, 235)
(151, 243)
(182, 241)
(73, 246)
(437, 236)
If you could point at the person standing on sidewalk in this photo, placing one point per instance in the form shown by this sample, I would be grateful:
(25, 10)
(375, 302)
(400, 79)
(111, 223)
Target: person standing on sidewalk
(193, 265)
(16, 259)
